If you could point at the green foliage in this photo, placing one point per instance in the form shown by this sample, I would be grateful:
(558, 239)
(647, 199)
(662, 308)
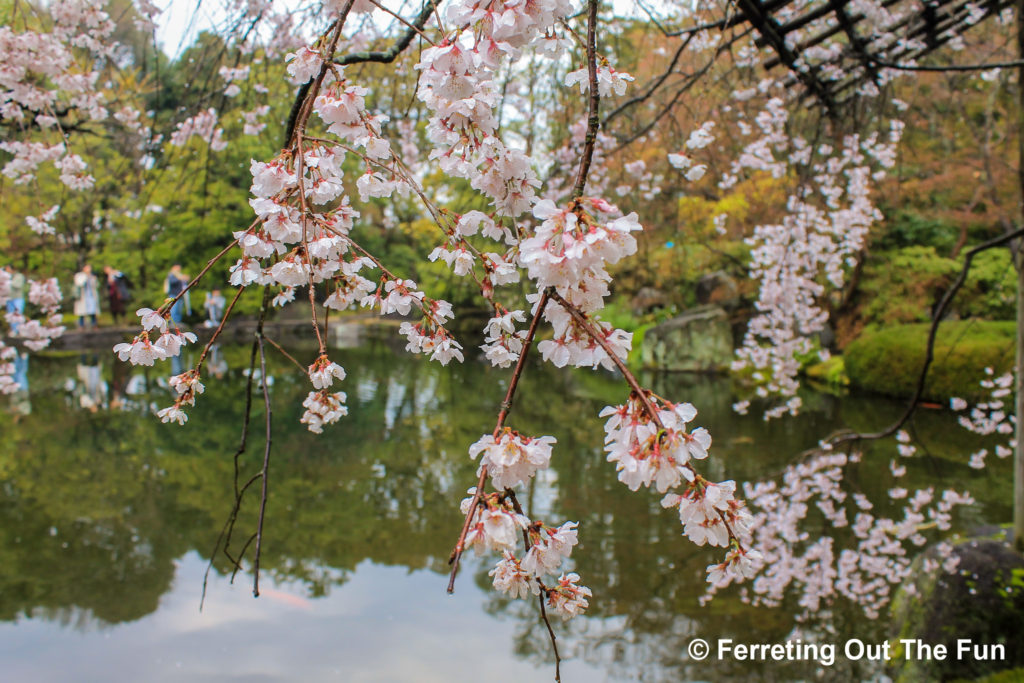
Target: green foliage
(991, 287)
(830, 373)
(889, 361)
(902, 285)
(908, 228)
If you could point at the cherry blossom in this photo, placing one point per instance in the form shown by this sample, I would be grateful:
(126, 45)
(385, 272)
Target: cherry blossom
(512, 459)
(568, 599)
(509, 578)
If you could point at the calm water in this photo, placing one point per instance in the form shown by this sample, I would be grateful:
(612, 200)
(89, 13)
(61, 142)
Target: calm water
(108, 519)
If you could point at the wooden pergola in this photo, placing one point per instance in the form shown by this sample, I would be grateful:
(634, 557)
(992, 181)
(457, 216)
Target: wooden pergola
(835, 47)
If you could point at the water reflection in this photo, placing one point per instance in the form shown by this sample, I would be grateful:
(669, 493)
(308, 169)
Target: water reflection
(100, 503)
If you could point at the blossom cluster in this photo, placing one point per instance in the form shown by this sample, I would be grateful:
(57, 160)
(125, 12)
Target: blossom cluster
(651, 444)
(811, 243)
(143, 350)
(495, 525)
(50, 70)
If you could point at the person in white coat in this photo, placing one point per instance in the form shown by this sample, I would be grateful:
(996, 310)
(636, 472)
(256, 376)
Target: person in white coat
(86, 293)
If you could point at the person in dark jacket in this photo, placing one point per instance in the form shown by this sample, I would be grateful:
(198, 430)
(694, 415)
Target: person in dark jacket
(119, 292)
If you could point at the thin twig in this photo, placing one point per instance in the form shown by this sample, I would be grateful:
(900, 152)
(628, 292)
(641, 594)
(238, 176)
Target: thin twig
(1012, 64)
(551, 633)
(506, 406)
(225, 533)
(220, 328)
(511, 495)
(209, 264)
(263, 472)
(285, 353)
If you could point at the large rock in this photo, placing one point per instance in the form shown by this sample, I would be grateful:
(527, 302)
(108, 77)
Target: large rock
(699, 340)
(982, 601)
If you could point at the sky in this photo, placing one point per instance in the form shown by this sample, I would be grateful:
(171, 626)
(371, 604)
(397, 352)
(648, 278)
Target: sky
(182, 20)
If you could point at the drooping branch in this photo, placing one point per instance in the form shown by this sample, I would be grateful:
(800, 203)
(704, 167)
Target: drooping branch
(506, 406)
(224, 538)
(598, 338)
(264, 471)
(929, 356)
(511, 495)
(642, 394)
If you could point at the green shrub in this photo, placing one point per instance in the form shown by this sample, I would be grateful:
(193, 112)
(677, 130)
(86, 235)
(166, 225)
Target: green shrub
(991, 288)
(889, 360)
(902, 285)
(831, 373)
(905, 228)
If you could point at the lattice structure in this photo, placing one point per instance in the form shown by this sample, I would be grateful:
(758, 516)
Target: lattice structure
(839, 48)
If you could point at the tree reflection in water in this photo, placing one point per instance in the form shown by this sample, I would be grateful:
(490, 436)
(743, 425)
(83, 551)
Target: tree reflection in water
(99, 499)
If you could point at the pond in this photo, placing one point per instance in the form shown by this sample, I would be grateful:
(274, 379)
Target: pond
(108, 519)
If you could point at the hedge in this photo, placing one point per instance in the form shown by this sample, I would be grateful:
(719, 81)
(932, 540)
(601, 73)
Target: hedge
(889, 360)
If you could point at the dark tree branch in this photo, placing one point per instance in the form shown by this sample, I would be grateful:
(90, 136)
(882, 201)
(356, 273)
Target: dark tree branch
(380, 57)
(224, 538)
(929, 356)
(1012, 64)
(655, 84)
(593, 120)
(264, 471)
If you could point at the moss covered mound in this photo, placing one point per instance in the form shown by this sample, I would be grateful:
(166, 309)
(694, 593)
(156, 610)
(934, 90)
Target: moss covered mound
(889, 360)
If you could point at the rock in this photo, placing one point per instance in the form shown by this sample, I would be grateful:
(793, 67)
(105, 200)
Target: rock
(981, 601)
(647, 299)
(718, 288)
(699, 340)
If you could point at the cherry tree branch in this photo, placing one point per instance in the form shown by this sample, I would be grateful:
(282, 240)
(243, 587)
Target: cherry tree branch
(593, 120)
(380, 57)
(511, 495)
(642, 394)
(224, 538)
(209, 264)
(506, 406)
(285, 354)
(220, 328)
(596, 335)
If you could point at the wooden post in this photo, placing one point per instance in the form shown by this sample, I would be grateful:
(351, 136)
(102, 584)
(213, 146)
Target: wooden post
(1018, 452)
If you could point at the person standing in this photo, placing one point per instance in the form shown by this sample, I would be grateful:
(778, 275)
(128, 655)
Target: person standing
(118, 292)
(214, 306)
(173, 286)
(16, 298)
(86, 293)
